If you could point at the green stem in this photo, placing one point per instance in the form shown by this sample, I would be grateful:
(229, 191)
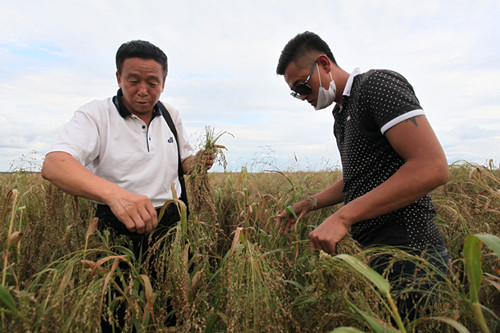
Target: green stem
(480, 318)
(395, 313)
(19, 242)
(11, 226)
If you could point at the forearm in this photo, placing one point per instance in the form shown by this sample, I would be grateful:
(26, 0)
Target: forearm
(64, 171)
(411, 182)
(330, 196)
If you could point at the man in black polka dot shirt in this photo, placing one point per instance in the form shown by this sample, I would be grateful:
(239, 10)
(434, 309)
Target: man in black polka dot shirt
(391, 158)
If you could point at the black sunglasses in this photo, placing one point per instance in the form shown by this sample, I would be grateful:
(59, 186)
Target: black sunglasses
(303, 89)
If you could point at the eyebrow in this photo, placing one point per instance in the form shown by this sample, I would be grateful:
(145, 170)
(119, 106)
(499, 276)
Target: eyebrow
(153, 77)
(148, 77)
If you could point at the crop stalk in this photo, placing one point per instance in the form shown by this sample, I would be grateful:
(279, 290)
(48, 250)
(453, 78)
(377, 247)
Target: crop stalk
(476, 307)
(15, 193)
(396, 315)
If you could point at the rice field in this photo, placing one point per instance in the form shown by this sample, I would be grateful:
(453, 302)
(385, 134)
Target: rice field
(226, 268)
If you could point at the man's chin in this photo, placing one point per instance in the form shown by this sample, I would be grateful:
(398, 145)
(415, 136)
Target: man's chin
(143, 108)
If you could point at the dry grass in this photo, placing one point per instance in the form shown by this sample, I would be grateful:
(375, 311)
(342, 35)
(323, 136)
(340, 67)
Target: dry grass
(230, 271)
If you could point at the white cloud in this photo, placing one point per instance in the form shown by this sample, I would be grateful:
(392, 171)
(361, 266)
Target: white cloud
(222, 57)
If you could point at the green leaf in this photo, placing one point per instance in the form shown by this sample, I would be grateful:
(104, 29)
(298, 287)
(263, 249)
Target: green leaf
(212, 321)
(296, 284)
(492, 241)
(346, 330)
(289, 210)
(472, 256)
(376, 324)
(377, 279)
(453, 323)
(124, 250)
(7, 300)
(306, 301)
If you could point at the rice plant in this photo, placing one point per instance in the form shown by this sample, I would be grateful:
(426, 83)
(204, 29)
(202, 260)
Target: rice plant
(199, 183)
(230, 270)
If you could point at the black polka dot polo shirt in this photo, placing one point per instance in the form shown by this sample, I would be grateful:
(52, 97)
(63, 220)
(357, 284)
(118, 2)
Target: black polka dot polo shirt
(376, 101)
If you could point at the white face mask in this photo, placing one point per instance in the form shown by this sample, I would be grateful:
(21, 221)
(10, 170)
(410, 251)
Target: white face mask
(325, 97)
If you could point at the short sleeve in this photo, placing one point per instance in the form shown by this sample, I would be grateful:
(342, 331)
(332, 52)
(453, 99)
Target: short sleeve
(390, 99)
(79, 138)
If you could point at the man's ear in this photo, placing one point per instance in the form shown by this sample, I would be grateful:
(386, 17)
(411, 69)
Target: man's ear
(118, 79)
(325, 62)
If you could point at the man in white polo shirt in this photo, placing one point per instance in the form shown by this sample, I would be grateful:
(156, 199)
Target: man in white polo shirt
(121, 152)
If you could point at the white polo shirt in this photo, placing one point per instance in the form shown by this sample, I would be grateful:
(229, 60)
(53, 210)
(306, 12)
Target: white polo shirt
(119, 147)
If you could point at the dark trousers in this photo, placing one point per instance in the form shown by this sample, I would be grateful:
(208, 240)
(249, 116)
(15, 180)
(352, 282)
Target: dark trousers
(410, 282)
(107, 220)
(140, 244)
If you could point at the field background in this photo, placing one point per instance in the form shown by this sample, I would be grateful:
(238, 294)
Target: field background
(227, 268)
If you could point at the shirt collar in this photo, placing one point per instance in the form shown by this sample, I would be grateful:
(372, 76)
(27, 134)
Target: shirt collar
(348, 85)
(122, 110)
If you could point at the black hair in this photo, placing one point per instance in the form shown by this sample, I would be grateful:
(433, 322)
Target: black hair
(141, 49)
(300, 46)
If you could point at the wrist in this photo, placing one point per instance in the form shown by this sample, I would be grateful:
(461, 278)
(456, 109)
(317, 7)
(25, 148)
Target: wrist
(110, 193)
(310, 203)
(343, 216)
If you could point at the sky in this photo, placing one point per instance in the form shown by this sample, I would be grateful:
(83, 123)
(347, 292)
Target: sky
(58, 55)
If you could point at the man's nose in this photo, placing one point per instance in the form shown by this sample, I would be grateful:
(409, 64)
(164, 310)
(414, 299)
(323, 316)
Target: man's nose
(142, 89)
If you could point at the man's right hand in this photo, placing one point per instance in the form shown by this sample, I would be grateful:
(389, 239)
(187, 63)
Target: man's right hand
(300, 208)
(135, 211)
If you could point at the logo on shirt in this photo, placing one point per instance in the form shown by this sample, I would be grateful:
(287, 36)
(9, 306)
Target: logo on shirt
(348, 117)
(170, 140)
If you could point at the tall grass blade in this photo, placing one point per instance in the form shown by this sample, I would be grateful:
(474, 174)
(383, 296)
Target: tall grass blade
(472, 256)
(492, 241)
(90, 231)
(150, 296)
(181, 206)
(346, 330)
(381, 283)
(376, 324)
(6, 300)
(453, 323)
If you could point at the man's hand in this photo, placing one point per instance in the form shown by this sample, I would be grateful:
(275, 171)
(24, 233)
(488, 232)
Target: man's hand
(135, 211)
(326, 236)
(300, 208)
(206, 160)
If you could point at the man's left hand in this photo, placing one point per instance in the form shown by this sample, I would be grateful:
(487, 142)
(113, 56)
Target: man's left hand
(207, 159)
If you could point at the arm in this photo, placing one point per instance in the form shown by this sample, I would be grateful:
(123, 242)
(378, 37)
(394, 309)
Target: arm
(425, 168)
(331, 196)
(135, 211)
